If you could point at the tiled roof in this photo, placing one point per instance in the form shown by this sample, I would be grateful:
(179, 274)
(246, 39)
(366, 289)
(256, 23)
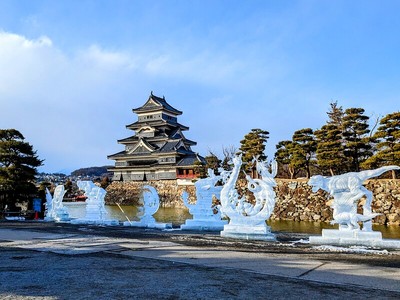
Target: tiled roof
(190, 160)
(169, 146)
(129, 139)
(156, 123)
(119, 154)
(161, 101)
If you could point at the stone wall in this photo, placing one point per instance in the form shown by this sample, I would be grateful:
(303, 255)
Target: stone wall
(295, 200)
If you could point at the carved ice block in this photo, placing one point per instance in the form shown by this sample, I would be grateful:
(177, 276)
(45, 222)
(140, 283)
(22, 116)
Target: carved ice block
(348, 237)
(248, 232)
(204, 225)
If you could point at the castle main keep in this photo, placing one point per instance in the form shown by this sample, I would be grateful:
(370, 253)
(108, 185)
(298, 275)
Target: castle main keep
(158, 149)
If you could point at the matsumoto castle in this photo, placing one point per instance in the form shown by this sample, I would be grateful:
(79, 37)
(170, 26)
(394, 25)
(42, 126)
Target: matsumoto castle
(158, 150)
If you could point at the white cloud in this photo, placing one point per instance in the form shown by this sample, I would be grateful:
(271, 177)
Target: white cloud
(66, 104)
(203, 67)
(103, 59)
(61, 103)
(25, 63)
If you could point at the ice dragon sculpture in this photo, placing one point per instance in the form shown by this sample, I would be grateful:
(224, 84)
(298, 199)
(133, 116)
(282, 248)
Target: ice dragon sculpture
(248, 220)
(346, 190)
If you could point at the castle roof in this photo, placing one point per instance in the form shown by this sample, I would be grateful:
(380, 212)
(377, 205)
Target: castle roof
(190, 160)
(156, 123)
(155, 103)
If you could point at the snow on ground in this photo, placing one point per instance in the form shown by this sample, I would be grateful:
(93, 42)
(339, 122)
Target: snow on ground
(352, 249)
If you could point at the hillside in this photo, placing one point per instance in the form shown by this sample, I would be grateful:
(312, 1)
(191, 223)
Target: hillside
(91, 171)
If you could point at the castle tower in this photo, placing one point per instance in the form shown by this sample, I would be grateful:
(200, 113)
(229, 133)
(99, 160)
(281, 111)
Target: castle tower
(158, 150)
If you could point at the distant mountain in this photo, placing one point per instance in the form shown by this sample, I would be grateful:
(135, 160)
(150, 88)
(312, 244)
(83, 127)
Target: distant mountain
(91, 171)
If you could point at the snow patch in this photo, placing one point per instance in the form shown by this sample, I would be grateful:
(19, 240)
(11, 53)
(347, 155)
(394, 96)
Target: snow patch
(352, 249)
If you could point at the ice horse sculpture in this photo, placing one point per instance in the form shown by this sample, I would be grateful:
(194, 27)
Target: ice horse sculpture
(95, 212)
(248, 221)
(204, 217)
(55, 210)
(151, 204)
(346, 190)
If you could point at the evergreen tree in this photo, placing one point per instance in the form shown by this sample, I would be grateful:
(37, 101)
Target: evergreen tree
(284, 156)
(329, 153)
(304, 149)
(388, 143)
(335, 115)
(212, 162)
(253, 145)
(357, 143)
(18, 163)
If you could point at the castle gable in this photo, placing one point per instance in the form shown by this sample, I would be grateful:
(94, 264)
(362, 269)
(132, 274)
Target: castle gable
(145, 131)
(141, 147)
(155, 103)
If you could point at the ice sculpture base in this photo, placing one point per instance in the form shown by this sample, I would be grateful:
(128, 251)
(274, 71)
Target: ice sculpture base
(204, 225)
(154, 225)
(57, 219)
(95, 222)
(15, 218)
(354, 238)
(259, 232)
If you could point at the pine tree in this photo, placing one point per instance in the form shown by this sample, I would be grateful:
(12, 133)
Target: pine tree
(284, 156)
(253, 145)
(357, 143)
(18, 163)
(388, 143)
(329, 153)
(304, 149)
(335, 115)
(212, 162)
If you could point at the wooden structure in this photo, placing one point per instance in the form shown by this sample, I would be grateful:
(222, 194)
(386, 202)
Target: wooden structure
(158, 150)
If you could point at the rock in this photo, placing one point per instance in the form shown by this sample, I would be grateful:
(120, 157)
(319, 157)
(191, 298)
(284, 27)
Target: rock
(316, 217)
(392, 218)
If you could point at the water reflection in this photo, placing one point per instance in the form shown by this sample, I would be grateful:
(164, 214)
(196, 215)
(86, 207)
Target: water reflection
(177, 216)
(297, 226)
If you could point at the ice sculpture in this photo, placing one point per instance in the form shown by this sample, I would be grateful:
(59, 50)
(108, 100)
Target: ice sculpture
(55, 210)
(95, 212)
(48, 206)
(203, 214)
(151, 203)
(346, 190)
(248, 221)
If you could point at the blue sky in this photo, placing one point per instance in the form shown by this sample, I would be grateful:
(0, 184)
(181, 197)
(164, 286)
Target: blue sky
(71, 71)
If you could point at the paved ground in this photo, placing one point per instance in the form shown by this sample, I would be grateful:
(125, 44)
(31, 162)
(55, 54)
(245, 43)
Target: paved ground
(62, 261)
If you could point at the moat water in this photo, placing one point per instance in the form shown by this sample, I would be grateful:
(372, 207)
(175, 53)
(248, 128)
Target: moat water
(178, 216)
